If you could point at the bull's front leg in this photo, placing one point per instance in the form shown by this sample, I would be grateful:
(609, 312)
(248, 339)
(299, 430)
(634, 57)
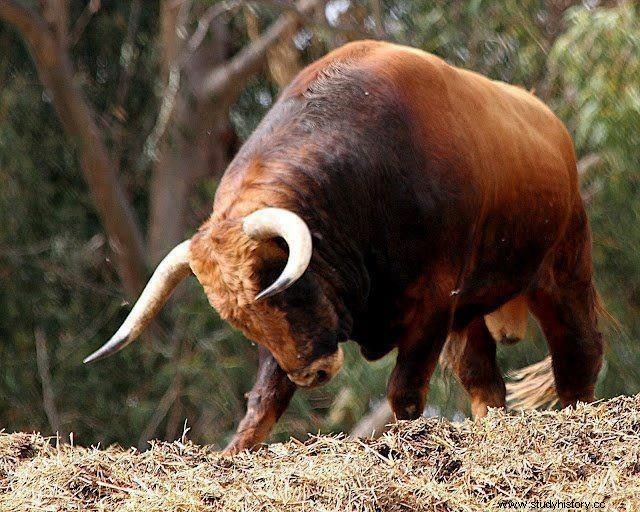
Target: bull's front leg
(267, 400)
(417, 358)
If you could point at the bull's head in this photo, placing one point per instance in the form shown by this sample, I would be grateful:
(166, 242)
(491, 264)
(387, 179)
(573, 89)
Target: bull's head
(235, 261)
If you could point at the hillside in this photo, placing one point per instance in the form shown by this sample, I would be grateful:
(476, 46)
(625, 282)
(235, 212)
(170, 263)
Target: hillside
(589, 455)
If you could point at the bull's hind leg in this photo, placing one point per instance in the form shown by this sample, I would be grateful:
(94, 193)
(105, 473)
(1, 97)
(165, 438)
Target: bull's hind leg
(471, 354)
(568, 319)
(564, 301)
(267, 400)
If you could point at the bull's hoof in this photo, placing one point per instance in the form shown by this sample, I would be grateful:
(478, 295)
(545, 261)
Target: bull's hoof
(408, 406)
(235, 449)
(236, 446)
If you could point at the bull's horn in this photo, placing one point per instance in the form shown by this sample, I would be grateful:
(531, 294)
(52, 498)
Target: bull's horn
(271, 222)
(171, 270)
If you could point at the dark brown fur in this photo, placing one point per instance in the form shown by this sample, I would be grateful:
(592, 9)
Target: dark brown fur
(434, 196)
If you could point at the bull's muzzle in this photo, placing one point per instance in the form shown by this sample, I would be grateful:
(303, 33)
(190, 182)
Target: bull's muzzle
(319, 371)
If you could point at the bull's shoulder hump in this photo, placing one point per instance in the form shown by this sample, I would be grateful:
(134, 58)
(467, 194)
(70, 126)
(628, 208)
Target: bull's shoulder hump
(351, 53)
(378, 58)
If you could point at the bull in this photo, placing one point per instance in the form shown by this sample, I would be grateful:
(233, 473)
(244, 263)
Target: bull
(398, 201)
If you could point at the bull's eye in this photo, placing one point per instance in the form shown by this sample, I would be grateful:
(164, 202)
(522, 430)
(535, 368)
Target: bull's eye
(322, 376)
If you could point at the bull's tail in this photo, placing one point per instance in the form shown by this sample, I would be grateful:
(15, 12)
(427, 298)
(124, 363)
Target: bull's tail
(534, 386)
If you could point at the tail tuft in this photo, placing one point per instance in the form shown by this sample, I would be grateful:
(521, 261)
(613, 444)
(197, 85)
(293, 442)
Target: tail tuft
(533, 386)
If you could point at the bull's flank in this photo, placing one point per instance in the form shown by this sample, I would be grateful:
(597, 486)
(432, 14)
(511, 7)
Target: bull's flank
(589, 455)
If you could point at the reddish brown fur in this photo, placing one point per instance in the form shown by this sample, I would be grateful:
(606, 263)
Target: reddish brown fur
(223, 259)
(434, 195)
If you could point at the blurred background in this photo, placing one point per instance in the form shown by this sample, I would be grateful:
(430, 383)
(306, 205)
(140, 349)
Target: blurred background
(117, 119)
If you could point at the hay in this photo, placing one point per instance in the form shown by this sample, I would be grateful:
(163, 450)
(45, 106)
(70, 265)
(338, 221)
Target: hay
(588, 454)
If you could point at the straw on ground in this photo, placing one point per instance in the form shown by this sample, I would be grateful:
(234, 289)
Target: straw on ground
(590, 454)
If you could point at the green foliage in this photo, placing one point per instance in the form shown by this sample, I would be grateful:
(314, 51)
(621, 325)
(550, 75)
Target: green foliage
(505, 40)
(597, 64)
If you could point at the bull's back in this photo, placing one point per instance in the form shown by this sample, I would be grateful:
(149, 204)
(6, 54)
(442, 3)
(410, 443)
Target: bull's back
(509, 157)
(508, 140)
(503, 141)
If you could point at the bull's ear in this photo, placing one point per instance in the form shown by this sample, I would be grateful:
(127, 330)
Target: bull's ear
(269, 223)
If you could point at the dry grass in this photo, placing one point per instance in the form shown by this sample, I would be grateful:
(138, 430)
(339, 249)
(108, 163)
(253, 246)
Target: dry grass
(589, 454)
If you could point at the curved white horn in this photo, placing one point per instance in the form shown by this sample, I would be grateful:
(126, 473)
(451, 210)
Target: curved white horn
(171, 270)
(271, 222)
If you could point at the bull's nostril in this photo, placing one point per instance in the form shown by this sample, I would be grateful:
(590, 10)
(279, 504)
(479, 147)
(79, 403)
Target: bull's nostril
(322, 376)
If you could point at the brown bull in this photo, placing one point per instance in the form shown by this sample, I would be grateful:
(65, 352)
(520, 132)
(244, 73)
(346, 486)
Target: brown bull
(414, 199)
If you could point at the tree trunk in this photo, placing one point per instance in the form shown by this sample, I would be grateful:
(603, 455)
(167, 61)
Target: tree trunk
(77, 118)
(194, 146)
